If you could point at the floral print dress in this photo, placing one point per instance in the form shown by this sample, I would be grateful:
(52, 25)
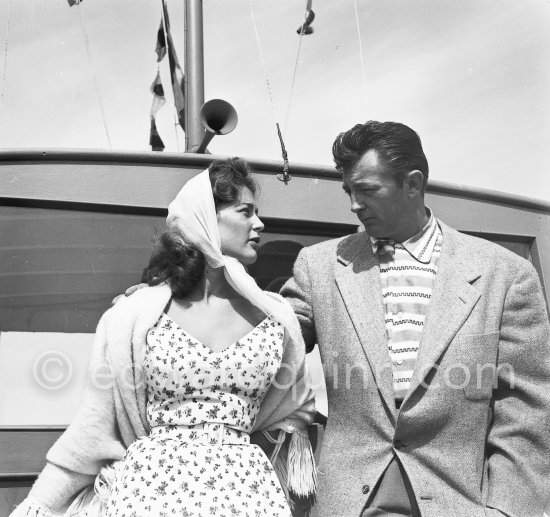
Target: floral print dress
(201, 405)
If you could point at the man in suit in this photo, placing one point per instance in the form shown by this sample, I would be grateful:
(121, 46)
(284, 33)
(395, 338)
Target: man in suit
(435, 347)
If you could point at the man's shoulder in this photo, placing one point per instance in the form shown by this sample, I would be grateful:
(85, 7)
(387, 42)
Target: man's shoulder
(481, 249)
(331, 248)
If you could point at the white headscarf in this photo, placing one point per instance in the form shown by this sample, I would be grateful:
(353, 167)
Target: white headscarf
(193, 215)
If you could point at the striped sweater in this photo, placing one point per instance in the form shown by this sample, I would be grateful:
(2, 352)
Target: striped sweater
(407, 276)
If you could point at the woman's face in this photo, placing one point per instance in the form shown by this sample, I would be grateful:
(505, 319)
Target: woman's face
(240, 228)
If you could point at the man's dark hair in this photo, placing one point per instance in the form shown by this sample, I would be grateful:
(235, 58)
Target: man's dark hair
(398, 145)
(179, 264)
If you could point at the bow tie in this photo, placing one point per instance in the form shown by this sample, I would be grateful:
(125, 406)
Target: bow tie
(384, 247)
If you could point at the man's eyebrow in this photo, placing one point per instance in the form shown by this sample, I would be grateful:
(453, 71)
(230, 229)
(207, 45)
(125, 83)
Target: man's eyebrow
(361, 183)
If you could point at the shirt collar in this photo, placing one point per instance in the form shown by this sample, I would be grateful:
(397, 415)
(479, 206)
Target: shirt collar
(421, 245)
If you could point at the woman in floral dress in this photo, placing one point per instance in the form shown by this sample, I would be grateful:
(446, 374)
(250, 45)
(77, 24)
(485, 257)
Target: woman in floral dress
(200, 361)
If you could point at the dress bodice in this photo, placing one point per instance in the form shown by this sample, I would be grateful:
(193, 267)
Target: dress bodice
(198, 460)
(188, 384)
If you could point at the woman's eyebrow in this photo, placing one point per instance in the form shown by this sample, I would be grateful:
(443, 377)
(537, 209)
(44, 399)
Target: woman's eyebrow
(250, 206)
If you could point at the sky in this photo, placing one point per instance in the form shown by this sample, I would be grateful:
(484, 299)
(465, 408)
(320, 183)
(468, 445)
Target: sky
(472, 77)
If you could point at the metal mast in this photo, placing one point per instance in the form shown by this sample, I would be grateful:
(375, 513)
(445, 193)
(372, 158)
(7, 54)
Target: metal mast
(194, 74)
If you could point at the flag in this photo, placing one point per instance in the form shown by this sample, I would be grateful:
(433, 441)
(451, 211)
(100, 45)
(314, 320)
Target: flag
(158, 95)
(176, 73)
(73, 2)
(165, 45)
(155, 141)
(161, 43)
(306, 28)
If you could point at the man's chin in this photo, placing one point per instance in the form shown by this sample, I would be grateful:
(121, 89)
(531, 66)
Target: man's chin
(371, 227)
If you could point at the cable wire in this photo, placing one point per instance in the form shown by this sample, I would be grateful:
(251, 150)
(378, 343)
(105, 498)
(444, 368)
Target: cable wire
(5, 57)
(360, 45)
(96, 86)
(295, 69)
(285, 177)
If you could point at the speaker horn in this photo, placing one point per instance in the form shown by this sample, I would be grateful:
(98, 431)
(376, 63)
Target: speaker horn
(218, 118)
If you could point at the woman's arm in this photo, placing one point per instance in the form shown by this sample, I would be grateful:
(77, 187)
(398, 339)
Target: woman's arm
(90, 442)
(53, 492)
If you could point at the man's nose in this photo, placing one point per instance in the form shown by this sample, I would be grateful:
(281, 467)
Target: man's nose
(356, 204)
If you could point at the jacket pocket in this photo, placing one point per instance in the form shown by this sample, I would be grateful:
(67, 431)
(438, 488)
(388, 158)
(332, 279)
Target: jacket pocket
(480, 358)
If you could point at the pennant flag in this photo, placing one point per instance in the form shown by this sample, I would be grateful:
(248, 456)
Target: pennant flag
(155, 141)
(161, 43)
(176, 73)
(306, 28)
(165, 45)
(158, 95)
(73, 2)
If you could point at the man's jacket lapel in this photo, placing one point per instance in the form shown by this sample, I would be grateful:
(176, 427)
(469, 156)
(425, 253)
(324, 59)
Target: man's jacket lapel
(358, 280)
(452, 301)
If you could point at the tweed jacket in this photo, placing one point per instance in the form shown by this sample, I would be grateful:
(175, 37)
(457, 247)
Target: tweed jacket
(113, 411)
(473, 431)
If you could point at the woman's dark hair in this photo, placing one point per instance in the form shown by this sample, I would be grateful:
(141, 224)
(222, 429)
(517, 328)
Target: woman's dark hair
(227, 178)
(182, 266)
(174, 262)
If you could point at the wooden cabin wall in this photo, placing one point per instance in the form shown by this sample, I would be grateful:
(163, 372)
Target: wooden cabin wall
(143, 182)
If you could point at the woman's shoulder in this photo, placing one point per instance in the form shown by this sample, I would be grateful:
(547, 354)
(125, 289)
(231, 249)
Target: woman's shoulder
(142, 305)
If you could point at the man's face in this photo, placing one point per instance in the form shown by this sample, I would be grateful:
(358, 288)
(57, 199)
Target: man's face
(379, 200)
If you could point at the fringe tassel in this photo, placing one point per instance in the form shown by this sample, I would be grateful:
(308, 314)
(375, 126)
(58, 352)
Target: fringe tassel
(279, 441)
(302, 473)
(295, 467)
(84, 505)
(280, 467)
(92, 501)
(29, 508)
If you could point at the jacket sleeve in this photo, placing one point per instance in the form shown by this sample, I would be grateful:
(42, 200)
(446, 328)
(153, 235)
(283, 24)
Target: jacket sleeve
(518, 442)
(297, 290)
(52, 492)
(90, 442)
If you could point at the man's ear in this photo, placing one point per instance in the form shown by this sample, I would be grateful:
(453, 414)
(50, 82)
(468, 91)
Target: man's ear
(414, 182)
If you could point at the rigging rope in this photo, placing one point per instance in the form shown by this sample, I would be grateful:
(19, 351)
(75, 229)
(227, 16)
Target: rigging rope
(295, 67)
(96, 87)
(5, 57)
(285, 177)
(360, 46)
